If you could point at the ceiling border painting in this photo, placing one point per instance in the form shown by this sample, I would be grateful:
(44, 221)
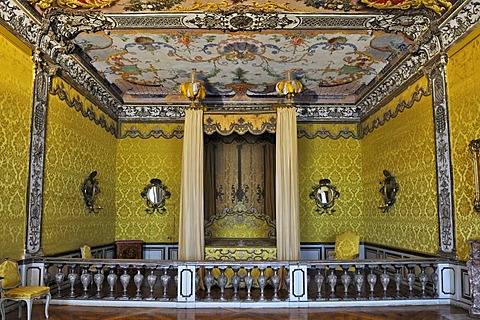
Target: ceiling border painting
(55, 36)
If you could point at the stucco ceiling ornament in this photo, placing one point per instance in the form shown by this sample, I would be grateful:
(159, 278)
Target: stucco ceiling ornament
(241, 18)
(64, 26)
(412, 26)
(439, 6)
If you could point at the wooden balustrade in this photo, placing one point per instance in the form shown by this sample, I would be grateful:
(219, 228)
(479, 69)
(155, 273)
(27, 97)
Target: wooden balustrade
(241, 282)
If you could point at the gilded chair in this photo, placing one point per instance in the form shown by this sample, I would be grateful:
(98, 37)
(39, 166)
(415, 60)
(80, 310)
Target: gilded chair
(347, 247)
(11, 289)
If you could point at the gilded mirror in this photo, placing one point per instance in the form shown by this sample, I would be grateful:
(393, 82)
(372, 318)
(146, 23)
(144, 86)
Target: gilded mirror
(90, 191)
(155, 195)
(474, 147)
(324, 195)
(388, 190)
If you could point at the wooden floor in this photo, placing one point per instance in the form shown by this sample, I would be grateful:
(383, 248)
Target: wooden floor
(103, 313)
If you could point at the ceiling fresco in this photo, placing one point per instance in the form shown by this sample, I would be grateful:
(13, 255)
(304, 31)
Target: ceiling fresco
(349, 55)
(152, 65)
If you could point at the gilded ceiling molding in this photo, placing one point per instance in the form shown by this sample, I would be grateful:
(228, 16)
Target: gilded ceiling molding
(43, 74)
(369, 125)
(135, 132)
(324, 133)
(74, 102)
(438, 84)
(240, 123)
(463, 21)
(439, 6)
(309, 114)
(168, 112)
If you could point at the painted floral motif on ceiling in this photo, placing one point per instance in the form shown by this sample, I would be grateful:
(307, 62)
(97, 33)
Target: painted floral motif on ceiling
(333, 65)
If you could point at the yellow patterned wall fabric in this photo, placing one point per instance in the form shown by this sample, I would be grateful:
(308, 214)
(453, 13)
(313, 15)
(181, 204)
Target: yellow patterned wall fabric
(340, 161)
(331, 130)
(405, 147)
(151, 130)
(16, 85)
(463, 76)
(138, 161)
(76, 146)
(226, 124)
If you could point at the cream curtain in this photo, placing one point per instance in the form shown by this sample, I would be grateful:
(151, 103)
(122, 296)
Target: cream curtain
(287, 207)
(191, 234)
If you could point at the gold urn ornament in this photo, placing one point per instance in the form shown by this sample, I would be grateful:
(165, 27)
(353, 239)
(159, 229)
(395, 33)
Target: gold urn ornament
(193, 89)
(289, 87)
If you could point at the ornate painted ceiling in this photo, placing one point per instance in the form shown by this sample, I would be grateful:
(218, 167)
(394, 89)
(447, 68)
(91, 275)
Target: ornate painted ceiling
(350, 55)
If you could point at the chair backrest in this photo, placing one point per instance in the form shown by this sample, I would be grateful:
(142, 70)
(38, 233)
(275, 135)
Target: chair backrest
(10, 273)
(347, 246)
(86, 252)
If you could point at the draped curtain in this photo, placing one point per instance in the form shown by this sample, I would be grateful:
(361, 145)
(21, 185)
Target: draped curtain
(191, 231)
(287, 208)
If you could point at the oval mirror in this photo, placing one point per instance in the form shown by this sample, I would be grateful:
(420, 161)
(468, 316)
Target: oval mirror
(388, 190)
(155, 195)
(324, 195)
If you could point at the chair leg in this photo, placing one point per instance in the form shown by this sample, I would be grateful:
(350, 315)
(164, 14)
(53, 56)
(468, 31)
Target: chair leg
(29, 309)
(2, 310)
(20, 307)
(47, 303)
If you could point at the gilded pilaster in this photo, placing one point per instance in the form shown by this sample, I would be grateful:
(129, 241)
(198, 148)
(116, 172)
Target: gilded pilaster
(42, 83)
(438, 84)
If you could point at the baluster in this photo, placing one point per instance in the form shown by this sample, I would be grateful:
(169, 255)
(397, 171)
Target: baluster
(410, 280)
(222, 282)
(46, 274)
(434, 279)
(262, 282)
(423, 278)
(249, 283)
(72, 278)
(287, 280)
(385, 280)
(165, 280)
(209, 279)
(59, 277)
(332, 281)
(346, 279)
(151, 280)
(111, 280)
(359, 279)
(85, 279)
(397, 277)
(197, 279)
(98, 279)
(138, 280)
(124, 280)
(236, 283)
(276, 283)
(372, 280)
(319, 278)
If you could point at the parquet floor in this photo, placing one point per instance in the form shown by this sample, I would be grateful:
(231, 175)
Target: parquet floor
(378, 313)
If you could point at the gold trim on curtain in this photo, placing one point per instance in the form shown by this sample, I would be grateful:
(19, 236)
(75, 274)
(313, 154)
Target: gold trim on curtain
(191, 224)
(287, 203)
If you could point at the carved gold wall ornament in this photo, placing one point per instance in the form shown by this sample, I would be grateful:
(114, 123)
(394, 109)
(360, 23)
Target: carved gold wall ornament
(73, 4)
(439, 6)
(474, 147)
(225, 6)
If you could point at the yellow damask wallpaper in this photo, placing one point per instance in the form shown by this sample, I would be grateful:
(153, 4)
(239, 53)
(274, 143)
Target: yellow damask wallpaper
(15, 110)
(138, 161)
(340, 161)
(463, 76)
(405, 147)
(76, 146)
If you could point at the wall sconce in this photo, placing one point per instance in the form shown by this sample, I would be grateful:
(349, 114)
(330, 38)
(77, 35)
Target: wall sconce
(474, 147)
(324, 195)
(388, 190)
(155, 194)
(90, 190)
